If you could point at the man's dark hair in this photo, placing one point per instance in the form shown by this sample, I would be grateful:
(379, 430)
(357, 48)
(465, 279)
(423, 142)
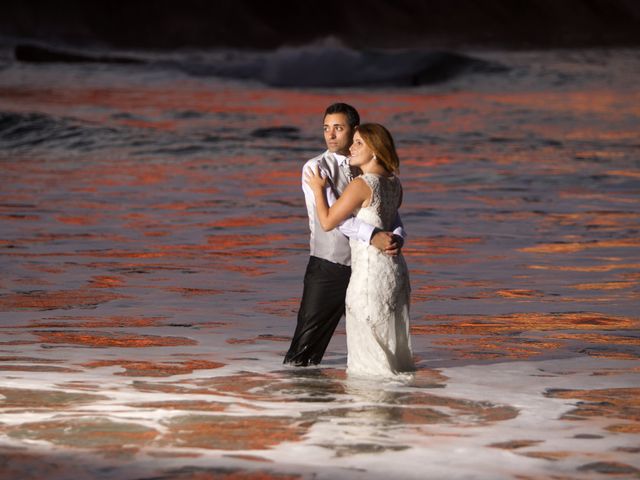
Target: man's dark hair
(353, 117)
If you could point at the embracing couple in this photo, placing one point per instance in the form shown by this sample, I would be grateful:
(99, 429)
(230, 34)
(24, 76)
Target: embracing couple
(353, 193)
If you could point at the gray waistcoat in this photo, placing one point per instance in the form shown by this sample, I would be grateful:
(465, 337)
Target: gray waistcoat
(332, 245)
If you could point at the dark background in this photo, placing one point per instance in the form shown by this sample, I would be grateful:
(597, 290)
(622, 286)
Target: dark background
(168, 24)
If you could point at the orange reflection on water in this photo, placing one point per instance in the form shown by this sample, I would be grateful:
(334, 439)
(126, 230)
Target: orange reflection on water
(595, 219)
(120, 438)
(61, 299)
(518, 322)
(437, 245)
(78, 220)
(91, 322)
(625, 173)
(227, 241)
(581, 102)
(105, 281)
(136, 368)
(592, 268)
(284, 308)
(277, 177)
(259, 338)
(494, 347)
(520, 293)
(195, 292)
(108, 339)
(612, 403)
(247, 221)
(599, 338)
(232, 433)
(572, 247)
(611, 354)
(605, 286)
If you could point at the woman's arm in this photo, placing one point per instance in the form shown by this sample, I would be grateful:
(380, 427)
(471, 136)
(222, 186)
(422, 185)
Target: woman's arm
(353, 197)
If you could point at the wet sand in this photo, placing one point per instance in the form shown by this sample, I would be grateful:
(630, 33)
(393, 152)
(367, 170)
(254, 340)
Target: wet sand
(151, 277)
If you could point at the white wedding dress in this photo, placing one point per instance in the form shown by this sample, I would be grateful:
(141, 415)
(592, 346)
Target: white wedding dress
(377, 302)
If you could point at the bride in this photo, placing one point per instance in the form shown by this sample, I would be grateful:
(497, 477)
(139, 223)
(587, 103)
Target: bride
(377, 302)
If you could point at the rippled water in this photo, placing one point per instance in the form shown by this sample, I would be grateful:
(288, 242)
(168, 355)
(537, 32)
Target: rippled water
(153, 242)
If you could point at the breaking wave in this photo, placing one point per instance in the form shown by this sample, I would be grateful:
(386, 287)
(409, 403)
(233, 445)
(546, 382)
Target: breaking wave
(324, 64)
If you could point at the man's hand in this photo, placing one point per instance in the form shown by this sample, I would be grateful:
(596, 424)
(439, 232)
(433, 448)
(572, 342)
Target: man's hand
(386, 242)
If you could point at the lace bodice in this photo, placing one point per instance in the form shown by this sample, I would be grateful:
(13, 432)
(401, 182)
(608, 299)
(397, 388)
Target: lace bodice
(385, 200)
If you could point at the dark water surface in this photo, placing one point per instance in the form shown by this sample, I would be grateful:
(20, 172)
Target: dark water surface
(153, 239)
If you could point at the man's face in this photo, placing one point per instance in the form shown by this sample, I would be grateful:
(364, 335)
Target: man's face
(337, 133)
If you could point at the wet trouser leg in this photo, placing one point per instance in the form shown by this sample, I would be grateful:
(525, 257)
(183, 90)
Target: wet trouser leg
(321, 307)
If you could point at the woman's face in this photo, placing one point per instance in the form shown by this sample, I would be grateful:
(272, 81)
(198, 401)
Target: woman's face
(360, 151)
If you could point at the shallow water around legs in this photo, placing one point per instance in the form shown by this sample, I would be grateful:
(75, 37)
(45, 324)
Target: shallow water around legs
(153, 240)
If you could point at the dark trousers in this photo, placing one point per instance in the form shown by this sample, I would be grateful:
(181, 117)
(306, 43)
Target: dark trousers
(321, 307)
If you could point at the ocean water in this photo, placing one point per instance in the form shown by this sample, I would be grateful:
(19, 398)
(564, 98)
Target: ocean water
(153, 240)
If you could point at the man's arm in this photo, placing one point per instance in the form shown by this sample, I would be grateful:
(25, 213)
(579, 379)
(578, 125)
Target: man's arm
(398, 230)
(390, 242)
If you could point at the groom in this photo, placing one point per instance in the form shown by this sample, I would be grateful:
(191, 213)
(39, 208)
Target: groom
(328, 271)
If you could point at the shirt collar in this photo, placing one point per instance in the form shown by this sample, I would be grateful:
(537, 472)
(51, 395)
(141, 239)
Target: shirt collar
(341, 159)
